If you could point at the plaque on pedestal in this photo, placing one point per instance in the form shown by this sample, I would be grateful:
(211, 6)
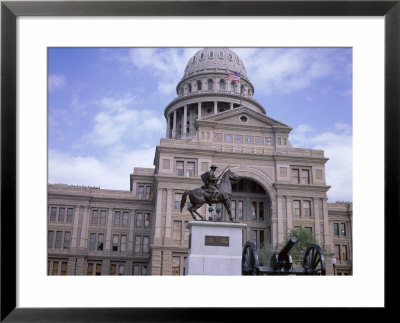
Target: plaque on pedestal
(215, 248)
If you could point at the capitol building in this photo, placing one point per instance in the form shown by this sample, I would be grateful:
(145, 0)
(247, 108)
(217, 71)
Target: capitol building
(214, 120)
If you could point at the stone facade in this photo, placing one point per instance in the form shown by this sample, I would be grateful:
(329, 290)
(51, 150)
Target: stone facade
(212, 121)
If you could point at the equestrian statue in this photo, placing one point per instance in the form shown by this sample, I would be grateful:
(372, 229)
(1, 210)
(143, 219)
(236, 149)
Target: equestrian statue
(212, 192)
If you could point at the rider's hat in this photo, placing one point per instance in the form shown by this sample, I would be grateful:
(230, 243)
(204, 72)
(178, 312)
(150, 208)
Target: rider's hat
(213, 166)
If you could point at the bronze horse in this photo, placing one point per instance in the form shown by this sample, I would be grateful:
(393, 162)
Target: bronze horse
(198, 196)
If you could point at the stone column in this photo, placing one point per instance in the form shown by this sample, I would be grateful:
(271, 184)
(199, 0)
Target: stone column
(231, 105)
(85, 229)
(75, 229)
(157, 233)
(174, 126)
(289, 213)
(328, 240)
(168, 126)
(168, 236)
(199, 110)
(184, 120)
(107, 247)
(215, 107)
(315, 211)
(279, 217)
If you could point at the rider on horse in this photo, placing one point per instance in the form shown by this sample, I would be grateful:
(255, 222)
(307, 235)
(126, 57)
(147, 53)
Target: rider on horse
(210, 182)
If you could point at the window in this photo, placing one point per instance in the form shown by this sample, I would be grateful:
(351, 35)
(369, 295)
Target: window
(261, 211)
(67, 239)
(254, 210)
(337, 252)
(240, 209)
(58, 239)
(190, 88)
(176, 265)
(92, 242)
(146, 220)
(95, 217)
(268, 141)
(70, 213)
(55, 268)
(100, 245)
(210, 84)
(123, 243)
(261, 238)
(233, 86)
(63, 268)
(136, 269)
(198, 85)
(53, 214)
(50, 238)
(145, 244)
(137, 243)
(92, 266)
(61, 214)
(180, 168)
(202, 56)
(336, 229)
(144, 270)
(190, 169)
(141, 192)
(211, 54)
(296, 208)
(222, 84)
(148, 193)
(117, 218)
(177, 230)
(103, 217)
(125, 217)
(342, 229)
(254, 236)
(305, 176)
(115, 242)
(307, 208)
(233, 209)
(295, 176)
(221, 54)
(230, 56)
(139, 220)
(309, 229)
(177, 203)
(344, 253)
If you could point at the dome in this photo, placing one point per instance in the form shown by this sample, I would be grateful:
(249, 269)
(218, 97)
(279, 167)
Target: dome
(216, 59)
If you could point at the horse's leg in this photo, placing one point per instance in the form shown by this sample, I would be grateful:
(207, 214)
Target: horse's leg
(191, 212)
(194, 209)
(227, 204)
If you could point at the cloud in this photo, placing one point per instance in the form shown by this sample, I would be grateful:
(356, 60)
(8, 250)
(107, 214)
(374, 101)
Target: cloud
(116, 122)
(110, 172)
(338, 147)
(167, 64)
(286, 70)
(56, 82)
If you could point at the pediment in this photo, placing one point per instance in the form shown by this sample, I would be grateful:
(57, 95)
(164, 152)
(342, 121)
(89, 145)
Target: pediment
(242, 117)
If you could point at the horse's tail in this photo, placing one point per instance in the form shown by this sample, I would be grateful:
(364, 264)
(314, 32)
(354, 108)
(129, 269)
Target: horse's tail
(183, 201)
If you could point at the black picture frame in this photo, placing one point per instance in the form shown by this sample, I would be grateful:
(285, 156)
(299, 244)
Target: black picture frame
(10, 10)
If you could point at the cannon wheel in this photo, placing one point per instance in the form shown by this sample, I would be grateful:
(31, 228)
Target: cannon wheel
(250, 262)
(314, 261)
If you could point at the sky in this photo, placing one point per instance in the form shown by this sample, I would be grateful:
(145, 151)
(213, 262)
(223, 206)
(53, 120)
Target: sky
(106, 107)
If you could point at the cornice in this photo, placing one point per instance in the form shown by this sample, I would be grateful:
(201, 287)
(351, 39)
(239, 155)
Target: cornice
(300, 187)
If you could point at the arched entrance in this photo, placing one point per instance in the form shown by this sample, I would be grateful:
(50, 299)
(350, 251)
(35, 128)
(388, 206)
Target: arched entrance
(251, 204)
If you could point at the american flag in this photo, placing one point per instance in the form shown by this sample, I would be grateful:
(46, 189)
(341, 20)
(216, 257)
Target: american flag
(233, 76)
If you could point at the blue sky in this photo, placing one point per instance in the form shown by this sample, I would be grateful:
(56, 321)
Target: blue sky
(106, 105)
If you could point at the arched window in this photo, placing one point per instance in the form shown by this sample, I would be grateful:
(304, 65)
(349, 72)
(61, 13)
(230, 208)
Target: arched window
(198, 85)
(211, 54)
(221, 54)
(190, 88)
(210, 84)
(249, 92)
(194, 59)
(222, 84)
(201, 56)
(242, 89)
(233, 86)
(181, 91)
(230, 56)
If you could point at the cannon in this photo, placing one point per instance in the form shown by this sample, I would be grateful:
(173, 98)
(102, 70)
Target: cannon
(282, 263)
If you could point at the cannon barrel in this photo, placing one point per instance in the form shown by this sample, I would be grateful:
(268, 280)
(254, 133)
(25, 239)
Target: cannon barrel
(285, 251)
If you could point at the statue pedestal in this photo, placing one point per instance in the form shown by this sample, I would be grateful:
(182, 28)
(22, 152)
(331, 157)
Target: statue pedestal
(215, 248)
